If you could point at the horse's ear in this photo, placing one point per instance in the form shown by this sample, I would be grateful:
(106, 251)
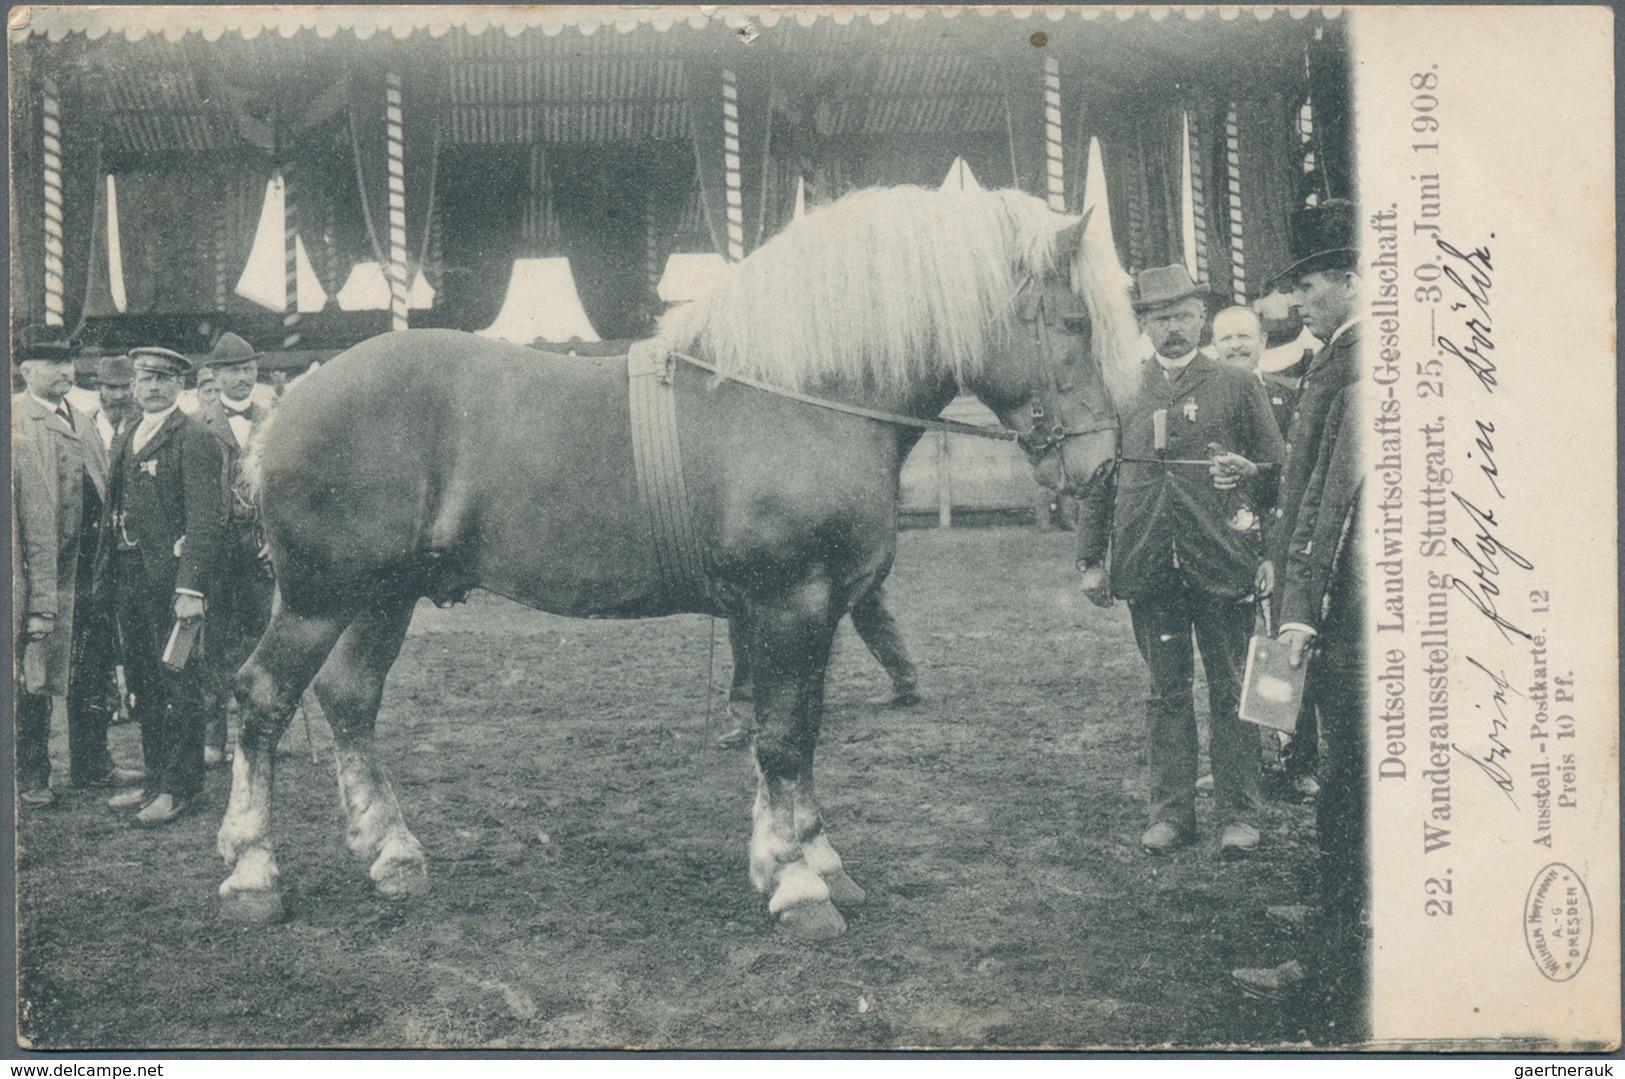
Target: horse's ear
(1070, 238)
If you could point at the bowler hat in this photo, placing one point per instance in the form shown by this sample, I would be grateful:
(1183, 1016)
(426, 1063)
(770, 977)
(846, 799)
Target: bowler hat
(160, 361)
(49, 343)
(1164, 285)
(114, 371)
(1322, 237)
(230, 351)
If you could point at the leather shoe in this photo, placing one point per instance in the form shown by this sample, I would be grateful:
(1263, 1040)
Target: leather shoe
(1238, 838)
(38, 798)
(1269, 983)
(128, 799)
(162, 810)
(899, 697)
(737, 738)
(1163, 837)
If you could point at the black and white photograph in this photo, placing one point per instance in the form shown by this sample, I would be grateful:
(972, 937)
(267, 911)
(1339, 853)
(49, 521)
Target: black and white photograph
(473, 466)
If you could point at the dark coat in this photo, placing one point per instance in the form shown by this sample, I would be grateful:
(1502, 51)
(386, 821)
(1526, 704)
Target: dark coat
(1334, 366)
(1159, 511)
(173, 490)
(1321, 583)
(51, 463)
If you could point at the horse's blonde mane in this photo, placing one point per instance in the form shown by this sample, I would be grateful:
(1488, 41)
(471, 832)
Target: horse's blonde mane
(887, 283)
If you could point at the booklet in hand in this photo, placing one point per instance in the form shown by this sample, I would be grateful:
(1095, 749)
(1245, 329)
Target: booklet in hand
(1271, 689)
(182, 639)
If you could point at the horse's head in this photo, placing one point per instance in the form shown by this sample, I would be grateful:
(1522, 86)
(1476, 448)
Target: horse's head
(1046, 378)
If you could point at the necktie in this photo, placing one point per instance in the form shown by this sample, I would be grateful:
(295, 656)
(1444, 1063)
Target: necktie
(237, 414)
(67, 416)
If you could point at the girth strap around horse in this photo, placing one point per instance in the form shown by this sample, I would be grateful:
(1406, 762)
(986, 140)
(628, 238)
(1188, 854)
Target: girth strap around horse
(658, 458)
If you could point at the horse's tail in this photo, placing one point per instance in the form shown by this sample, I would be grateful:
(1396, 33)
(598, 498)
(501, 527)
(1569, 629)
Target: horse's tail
(250, 481)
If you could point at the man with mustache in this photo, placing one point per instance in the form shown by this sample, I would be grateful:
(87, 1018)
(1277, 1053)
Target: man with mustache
(59, 479)
(162, 554)
(1198, 471)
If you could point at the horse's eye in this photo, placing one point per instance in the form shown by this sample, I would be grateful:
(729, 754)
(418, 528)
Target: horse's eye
(1075, 323)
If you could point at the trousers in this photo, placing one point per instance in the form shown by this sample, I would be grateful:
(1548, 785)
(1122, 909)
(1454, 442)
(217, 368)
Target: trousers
(1164, 623)
(168, 704)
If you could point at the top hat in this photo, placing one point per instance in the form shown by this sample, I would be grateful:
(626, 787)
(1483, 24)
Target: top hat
(230, 351)
(49, 343)
(160, 361)
(114, 371)
(1164, 285)
(1322, 238)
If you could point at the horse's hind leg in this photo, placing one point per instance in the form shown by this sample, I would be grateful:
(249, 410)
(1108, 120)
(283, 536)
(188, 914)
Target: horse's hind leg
(350, 686)
(791, 858)
(266, 690)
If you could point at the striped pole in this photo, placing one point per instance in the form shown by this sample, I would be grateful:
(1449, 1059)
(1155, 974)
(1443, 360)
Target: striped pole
(1198, 198)
(1052, 134)
(290, 263)
(1232, 170)
(398, 298)
(53, 204)
(652, 267)
(222, 282)
(730, 159)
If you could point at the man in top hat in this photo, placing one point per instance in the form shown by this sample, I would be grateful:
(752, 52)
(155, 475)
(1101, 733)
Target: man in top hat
(116, 409)
(162, 555)
(1322, 605)
(242, 604)
(59, 483)
(1198, 470)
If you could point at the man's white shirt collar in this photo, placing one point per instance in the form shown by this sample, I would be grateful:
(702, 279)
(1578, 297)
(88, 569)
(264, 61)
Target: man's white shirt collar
(1173, 367)
(48, 406)
(1339, 331)
(150, 422)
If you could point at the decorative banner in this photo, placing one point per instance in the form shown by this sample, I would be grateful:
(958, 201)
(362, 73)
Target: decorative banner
(729, 109)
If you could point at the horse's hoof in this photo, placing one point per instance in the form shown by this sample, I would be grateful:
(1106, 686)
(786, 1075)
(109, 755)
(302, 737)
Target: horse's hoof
(843, 890)
(405, 881)
(252, 907)
(818, 920)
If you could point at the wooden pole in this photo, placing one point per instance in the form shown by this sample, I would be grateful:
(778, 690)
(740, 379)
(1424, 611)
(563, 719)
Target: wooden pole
(1232, 168)
(290, 263)
(1052, 134)
(731, 165)
(52, 132)
(398, 284)
(945, 486)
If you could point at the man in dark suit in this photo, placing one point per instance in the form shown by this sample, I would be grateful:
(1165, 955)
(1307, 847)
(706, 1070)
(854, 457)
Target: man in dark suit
(1198, 471)
(162, 555)
(59, 476)
(242, 604)
(1322, 603)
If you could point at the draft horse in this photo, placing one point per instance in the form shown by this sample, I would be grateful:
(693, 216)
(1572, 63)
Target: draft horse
(427, 463)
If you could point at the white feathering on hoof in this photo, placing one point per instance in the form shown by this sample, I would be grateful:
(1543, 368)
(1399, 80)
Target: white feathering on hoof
(798, 884)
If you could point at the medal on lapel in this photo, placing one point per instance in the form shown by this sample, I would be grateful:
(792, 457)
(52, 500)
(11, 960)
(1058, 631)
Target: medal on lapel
(1190, 409)
(150, 468)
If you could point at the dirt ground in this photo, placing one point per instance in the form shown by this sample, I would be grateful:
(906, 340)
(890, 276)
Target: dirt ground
(587, 844)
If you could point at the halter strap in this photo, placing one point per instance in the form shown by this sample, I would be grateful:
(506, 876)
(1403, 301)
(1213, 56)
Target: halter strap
(953, 426)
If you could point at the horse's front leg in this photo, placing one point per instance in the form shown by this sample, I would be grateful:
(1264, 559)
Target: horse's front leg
(791, 859)
(266, 689)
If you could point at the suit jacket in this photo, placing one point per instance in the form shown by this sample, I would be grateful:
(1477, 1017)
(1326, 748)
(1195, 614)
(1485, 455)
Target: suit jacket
(1321, 580)
(52, 462)
(1173, 515)
(173, 490)
(213, 417)
(1333, 367)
